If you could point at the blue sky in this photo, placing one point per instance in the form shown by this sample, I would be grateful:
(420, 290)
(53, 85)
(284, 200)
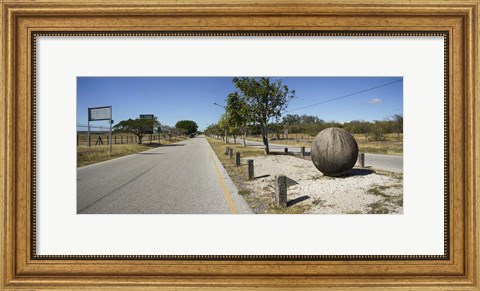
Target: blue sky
(172, 99)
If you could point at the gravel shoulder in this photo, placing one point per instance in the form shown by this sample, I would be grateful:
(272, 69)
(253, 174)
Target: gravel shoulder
(361, 191)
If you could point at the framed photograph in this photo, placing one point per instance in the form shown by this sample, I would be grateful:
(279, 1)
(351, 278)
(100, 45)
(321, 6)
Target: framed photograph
(216, 144)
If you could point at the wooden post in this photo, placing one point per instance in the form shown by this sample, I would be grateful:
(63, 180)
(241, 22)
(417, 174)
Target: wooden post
(230, 153)
(302, 150)
(286, 151)
(250, 169)
(281, 190)
(361, 160)
(237, 159)
(121, 139)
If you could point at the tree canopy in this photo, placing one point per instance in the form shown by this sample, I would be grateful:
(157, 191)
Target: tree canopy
(265, 100)
(237, 115)
(140, 127)
(189, 126)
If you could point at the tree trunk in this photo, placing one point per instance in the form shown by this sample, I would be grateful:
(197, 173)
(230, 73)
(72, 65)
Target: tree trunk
(265, 139)
(139, 139)
(244, 135)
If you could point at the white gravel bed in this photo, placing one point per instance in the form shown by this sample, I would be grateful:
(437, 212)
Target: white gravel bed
(327, 195)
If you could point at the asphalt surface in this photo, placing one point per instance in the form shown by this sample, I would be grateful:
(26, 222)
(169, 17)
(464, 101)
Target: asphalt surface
(375, 161)
(181, 178)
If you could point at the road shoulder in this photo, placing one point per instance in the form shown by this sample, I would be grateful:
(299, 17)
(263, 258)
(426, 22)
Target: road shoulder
(240, 203)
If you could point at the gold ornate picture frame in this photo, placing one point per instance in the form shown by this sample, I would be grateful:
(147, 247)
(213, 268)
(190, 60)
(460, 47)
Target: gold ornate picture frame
(22, 22)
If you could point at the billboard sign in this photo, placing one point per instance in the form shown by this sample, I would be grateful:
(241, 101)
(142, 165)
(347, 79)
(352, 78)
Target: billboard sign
(100, 113)
(146, 116)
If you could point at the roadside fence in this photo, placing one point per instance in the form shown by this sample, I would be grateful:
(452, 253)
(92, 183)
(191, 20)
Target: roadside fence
(99, 135)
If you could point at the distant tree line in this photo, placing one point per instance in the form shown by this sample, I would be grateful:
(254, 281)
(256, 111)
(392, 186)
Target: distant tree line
(141, 127)
(373, 130)
(312, 125)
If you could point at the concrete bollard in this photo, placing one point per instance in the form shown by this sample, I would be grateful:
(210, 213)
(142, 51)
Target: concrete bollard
(230, 153)
(281, 190)
(227, 150)
(250, 169)
(237, 159)
(285, 150)
(302, 150)
(361, 160)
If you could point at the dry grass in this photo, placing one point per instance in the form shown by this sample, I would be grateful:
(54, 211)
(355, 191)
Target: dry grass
(259, 204)
(238, 174)
(263, 202)
(87, 156)
(388, 147)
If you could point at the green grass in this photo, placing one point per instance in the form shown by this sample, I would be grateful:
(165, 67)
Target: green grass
(244, 192)
(378, 190)
(393, 175)
(319, 202)
(386, 202)
(378, 207)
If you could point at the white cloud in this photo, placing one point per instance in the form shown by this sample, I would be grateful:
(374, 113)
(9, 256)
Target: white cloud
(375, 101)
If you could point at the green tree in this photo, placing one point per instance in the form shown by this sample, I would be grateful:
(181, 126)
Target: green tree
(376, 130)
(265, 99)
(214, 129)
(237, 116)
(169, 131)
(189, 126)
(140, 127)
(291, 119)
(398, 124)
(224, 127)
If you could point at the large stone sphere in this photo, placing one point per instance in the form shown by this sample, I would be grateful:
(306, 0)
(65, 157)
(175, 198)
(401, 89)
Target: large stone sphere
(334, 151)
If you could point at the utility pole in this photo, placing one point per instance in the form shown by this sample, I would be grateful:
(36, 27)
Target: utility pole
(226, 136)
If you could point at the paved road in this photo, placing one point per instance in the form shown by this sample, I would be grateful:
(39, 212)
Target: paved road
(184, 178)
(381, 162)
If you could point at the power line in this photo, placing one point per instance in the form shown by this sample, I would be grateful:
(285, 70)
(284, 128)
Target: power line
(345, 96)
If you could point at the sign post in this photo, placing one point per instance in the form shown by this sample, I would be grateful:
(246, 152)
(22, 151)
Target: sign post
(97, 114)
(111, 122)
(88, 135)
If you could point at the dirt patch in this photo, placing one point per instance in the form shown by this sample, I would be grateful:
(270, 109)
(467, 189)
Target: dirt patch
(309, 191)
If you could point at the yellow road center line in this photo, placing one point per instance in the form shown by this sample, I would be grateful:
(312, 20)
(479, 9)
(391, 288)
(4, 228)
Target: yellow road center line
(224, 187)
